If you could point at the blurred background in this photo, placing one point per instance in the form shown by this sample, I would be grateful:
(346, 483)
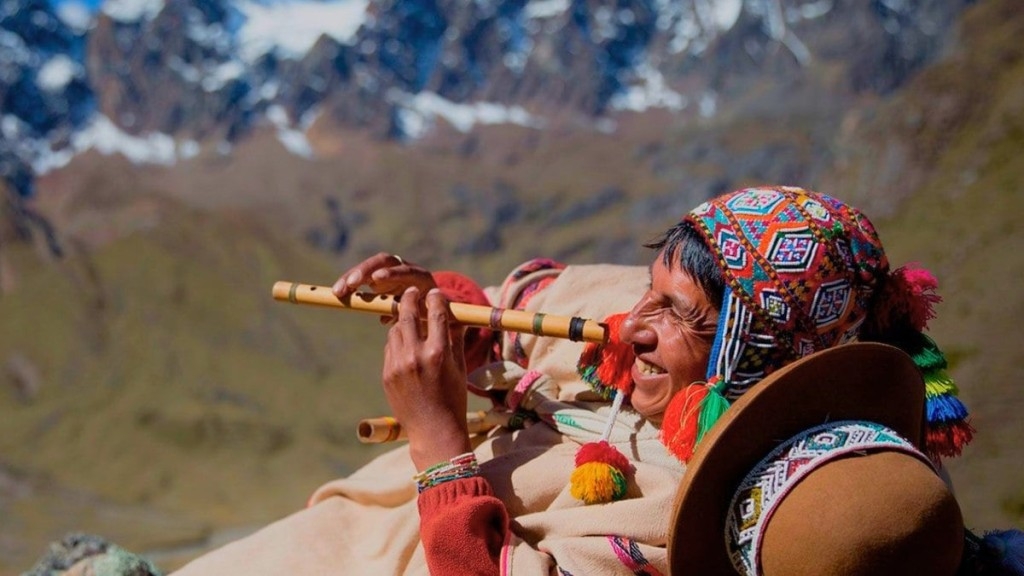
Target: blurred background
(163, 162)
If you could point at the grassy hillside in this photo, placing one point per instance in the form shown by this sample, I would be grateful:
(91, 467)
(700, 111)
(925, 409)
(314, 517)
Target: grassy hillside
(164, 394)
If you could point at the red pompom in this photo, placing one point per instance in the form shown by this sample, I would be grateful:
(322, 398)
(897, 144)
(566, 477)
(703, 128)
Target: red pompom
(602, 452)
(921, 305)
(907, 299)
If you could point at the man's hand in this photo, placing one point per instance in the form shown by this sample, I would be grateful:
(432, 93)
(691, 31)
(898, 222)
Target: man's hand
(424, 378)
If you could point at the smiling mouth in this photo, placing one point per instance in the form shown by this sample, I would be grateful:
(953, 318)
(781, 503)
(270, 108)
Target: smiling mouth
(648, 369)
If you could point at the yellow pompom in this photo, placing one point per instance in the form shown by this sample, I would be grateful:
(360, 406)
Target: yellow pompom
(597, 482)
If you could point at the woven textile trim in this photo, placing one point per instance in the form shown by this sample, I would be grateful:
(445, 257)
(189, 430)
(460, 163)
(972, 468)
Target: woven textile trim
(765, 487)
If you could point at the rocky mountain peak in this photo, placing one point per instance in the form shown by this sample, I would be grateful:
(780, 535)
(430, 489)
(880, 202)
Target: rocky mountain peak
(173, 73)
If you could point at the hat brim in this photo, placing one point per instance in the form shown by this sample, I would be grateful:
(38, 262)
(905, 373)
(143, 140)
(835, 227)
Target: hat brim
(857, 381)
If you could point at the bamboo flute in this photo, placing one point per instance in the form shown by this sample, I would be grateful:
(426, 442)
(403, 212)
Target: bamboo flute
(387, 429)
(502, 319)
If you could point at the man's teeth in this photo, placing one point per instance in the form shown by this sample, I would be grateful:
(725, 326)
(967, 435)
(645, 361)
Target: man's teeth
(649, 369)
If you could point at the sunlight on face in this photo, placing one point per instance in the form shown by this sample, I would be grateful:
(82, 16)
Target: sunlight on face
(671, 330)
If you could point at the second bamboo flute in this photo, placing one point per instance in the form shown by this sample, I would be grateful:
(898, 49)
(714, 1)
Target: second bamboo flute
(501, 319)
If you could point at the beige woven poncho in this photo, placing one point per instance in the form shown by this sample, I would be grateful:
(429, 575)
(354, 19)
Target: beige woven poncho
(367, 523)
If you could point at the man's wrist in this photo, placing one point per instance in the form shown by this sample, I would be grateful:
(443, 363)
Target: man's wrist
(462, 466)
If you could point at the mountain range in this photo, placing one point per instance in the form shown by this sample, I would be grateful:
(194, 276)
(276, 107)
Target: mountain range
(156, 80)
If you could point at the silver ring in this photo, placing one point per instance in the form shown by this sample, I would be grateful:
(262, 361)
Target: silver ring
(399, 258)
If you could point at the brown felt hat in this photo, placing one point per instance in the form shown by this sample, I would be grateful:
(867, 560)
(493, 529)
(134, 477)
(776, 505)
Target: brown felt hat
(880, 511)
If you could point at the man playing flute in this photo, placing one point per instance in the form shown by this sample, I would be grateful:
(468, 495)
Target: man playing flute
(741, 286)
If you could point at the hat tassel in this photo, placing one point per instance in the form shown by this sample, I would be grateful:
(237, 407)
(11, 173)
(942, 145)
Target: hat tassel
(947, 428)
(690, 415)
(601, 470)
(908, 299)
(901, 314)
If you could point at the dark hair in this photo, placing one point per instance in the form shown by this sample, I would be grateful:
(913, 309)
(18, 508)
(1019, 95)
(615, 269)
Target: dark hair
(685, 245)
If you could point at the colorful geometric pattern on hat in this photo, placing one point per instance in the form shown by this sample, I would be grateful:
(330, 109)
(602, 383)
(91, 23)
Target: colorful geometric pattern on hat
(800, 270)
(805, 272)
(767, 484)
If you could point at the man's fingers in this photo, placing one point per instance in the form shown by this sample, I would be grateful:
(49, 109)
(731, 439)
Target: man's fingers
(437, 317)
(409, 314)
(458, 339)
(362, 273)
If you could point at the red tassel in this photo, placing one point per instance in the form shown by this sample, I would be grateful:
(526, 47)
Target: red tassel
(607, 367)
(908, 299)
(947, 439)
(679, 429)
(921, 303)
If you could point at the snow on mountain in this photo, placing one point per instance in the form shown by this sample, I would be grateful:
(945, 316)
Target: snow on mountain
(105, 137)
(290, 28)
(57, 72)
(292, 139)
(127, 11)
(75, 15)
(545, 8)
(692, 25)
(418, 112)
(650, 91)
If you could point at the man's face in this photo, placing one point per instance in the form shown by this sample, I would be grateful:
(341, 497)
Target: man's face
(671, 330)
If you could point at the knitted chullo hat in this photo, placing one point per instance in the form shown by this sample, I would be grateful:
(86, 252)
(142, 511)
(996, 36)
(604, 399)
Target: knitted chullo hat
(803, 272)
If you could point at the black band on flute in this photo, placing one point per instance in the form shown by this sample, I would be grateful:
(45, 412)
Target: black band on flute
(495, 323)
(576, 328)
(538, 321)
(291, 293)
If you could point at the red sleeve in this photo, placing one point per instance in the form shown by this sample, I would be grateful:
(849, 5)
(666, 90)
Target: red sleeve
(463, 527)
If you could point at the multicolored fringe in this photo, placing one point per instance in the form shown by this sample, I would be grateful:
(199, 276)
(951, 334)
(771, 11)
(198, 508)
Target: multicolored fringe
(947, 427)
(690, 415)
(607, 367)
(900, 316)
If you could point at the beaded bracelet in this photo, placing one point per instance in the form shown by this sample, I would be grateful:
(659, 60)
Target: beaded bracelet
(461, 466)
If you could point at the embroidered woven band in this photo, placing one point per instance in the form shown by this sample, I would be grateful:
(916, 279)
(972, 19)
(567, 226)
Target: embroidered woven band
(765, 487)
